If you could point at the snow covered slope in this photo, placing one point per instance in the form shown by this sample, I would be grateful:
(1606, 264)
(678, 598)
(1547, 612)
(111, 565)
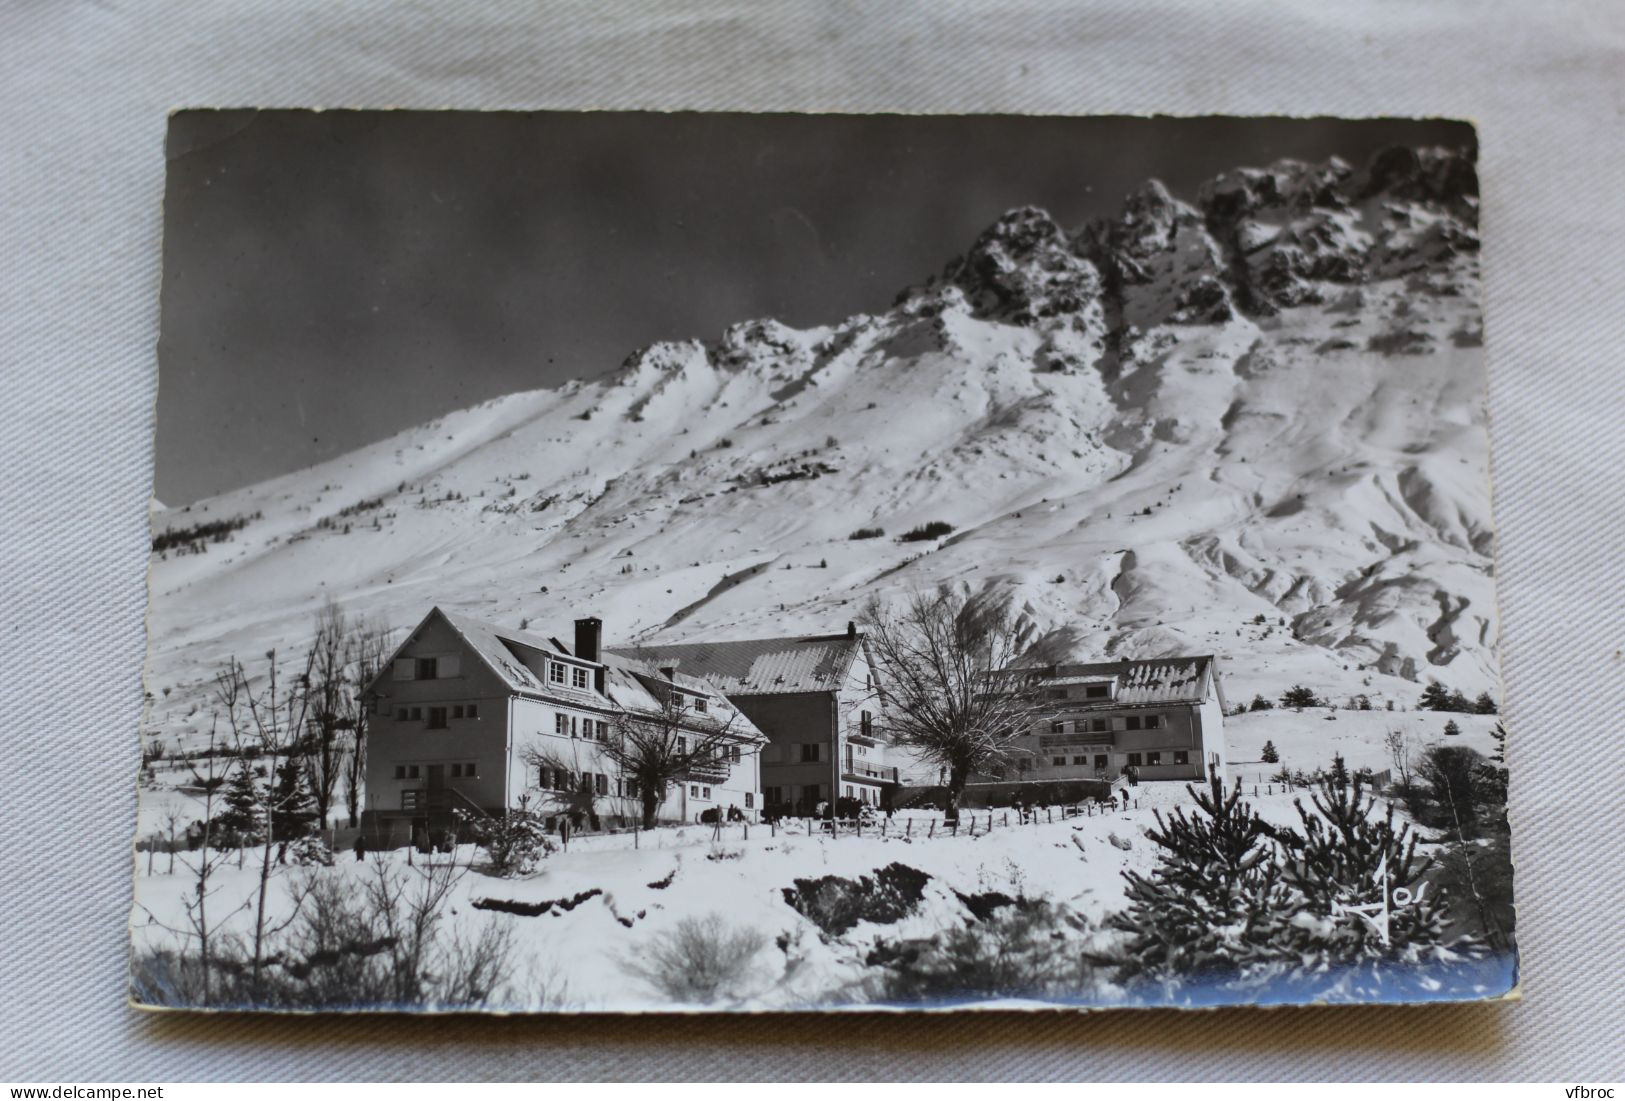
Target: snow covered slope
(1250, 424)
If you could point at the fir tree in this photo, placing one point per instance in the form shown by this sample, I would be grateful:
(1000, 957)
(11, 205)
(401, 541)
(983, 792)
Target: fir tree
(1270, 756)
(1208, 909)
(1435, 697)
(293, 810)
(240, 821)
(1298, 696)
(1346, 857)
(1339, 775)
(1261, 704)
(1485, 704)
(1451, 728)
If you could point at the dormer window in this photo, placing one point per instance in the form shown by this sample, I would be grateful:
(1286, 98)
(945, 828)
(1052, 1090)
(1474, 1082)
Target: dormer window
(426, 669)
(700, 704)
(578, 678)
(555, 672)
(1097, 691)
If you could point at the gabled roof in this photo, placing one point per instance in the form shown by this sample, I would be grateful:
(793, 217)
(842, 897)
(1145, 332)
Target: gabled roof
(628, 682)
(761, 666)
(1149, 680)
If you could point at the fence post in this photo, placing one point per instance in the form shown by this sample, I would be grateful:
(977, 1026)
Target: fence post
(932, 832)
(908, 826)
(635, 832)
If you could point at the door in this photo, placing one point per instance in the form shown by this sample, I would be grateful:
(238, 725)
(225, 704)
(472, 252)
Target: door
(437, 786)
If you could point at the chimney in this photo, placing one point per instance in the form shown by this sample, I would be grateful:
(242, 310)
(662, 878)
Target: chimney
(589, 632)
(851, 629)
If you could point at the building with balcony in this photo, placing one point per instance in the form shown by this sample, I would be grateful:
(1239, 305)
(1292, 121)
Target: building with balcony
(471, 717)
(1157, 719)
(817, 700)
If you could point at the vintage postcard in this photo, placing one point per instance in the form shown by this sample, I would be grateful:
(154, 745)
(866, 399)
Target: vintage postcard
(727, 562)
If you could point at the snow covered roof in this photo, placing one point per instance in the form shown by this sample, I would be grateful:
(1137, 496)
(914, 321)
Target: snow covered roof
(629, 682)
(761, 666)
(1151, 680)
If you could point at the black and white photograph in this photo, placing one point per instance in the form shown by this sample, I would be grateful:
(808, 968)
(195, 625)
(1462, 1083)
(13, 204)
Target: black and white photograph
(707, 562)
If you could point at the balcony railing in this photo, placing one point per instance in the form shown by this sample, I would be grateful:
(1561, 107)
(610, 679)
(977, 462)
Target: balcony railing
(865, 772)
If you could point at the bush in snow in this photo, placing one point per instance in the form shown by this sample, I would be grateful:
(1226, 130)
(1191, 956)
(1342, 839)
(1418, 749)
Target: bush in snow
(1017, 951)
(516, 841)
(1261, 704)
(867, 533)
(1270, 755)
(700, 961)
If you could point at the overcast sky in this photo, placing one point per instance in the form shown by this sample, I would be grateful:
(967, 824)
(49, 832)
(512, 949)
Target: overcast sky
(331, 278)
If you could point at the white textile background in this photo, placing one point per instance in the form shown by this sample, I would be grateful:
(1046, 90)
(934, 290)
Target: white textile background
(87, 87)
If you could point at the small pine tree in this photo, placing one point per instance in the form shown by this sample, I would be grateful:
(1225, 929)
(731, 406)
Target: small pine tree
(241, 818)
(1451, 728)
(516, 841)
(1270, 756)
(1299, 697)
(1485, 704)
(1435, 697)
(1207, 909)
(1339, 775)
(1261, 704)
(293, 811)
(1348, 856)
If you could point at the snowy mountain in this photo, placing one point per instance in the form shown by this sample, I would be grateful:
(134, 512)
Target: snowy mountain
(1249, 424)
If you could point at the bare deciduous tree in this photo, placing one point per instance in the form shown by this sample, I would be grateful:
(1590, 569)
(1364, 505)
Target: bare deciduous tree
(953, 690)
(346, 653)
(270, 719)
(651, 750)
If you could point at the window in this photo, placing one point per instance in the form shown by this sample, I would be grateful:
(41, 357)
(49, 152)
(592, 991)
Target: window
(1132, 723)
(1153, 758)
(411, 772)
(561, 723)
(1057, 761)
(1153, 722)
(1057, 728)
(1182, 757)
(809, 751)
(1100, 760)
(402, 714)
(849, 791)
(400, 772)
(750, 799)
(472, 711)
(734, 753)
(866, 723)
(426, 669)
(1080, 760)
(544, 778)
(555, 672)
(1134, 760)
(700, 704)
(437, 718)
(603, 731)
(456, 770)
(631, 787)
(1100, 726)
(578, 678)
(586, 783)
(1098, 692)
(694, 791)
(468, 770)
(409, 800)
(603, 784)
(417, 713)
(457, 711)
(705, 793)
(682, 744)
